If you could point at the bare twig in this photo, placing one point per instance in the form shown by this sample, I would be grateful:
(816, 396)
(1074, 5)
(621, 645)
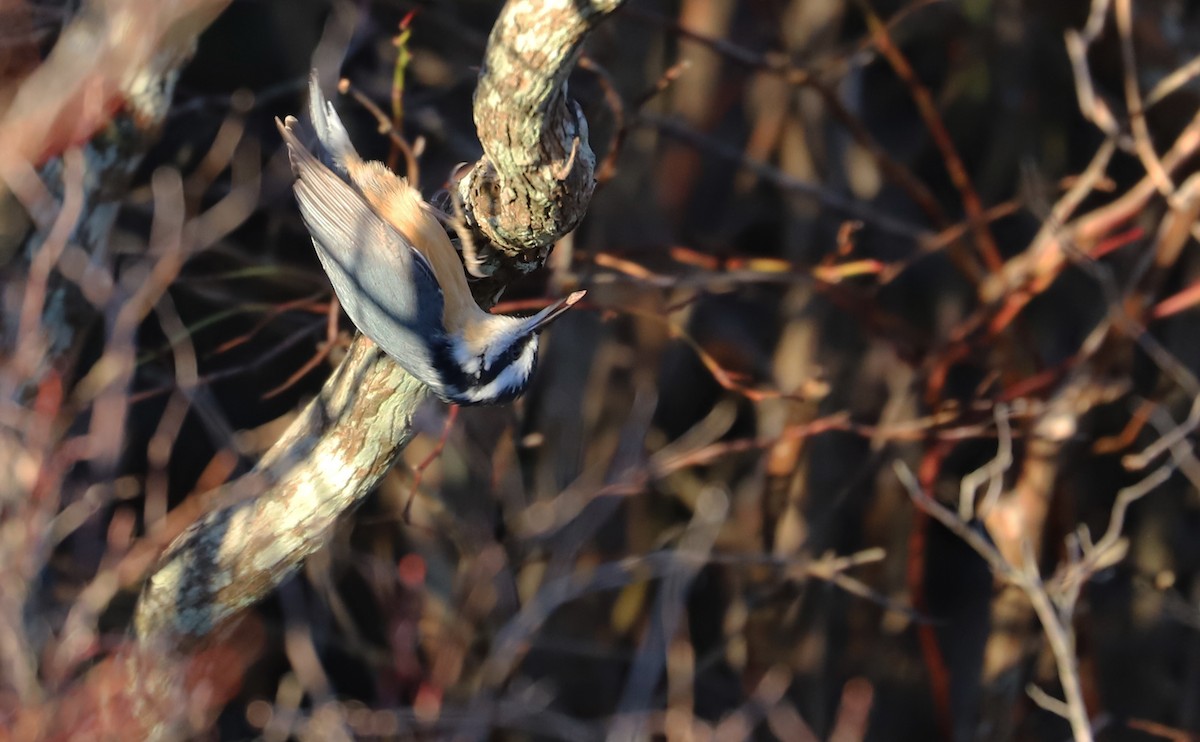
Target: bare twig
(1053, 602)
(991, 473)
(711, 509)
(386, 126)
(1173, 82)
(1133, 101)
(984, 241)
(843, 205)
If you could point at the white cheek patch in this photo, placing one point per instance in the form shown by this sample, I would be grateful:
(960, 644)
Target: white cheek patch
(515, 377)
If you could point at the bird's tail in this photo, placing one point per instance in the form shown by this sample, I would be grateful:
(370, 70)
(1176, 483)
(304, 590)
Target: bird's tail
(335, 149)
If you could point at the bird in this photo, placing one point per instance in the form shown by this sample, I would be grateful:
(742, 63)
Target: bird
(398, 276)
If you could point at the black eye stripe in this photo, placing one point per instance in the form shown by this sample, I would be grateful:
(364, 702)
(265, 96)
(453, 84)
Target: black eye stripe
(506, 359)
(455, 378)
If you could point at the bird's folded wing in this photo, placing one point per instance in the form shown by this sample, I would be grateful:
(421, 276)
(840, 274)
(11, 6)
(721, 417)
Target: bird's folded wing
(386, 286)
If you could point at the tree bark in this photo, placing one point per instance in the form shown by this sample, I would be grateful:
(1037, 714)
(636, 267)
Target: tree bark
(532, 186)
(536, 177)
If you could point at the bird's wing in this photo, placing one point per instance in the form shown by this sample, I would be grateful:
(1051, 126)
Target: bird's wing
(385, 285)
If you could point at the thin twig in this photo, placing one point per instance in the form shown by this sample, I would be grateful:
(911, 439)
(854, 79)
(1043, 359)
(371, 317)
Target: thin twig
(1133, 101)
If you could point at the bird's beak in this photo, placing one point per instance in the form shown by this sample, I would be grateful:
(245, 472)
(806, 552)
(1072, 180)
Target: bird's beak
(539, 321)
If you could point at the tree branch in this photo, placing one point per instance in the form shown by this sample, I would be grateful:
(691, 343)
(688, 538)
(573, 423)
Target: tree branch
(332, 456)
(347, 439)
(535, 179)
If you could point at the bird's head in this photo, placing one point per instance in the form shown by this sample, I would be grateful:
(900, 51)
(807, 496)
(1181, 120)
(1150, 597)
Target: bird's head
(491, 361)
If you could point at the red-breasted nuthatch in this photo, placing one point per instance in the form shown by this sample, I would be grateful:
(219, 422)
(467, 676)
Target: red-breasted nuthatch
(398, 276)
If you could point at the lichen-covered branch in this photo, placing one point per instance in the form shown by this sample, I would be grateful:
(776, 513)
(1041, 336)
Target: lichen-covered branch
(535, 179)
(348, 438)
(331, 457)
